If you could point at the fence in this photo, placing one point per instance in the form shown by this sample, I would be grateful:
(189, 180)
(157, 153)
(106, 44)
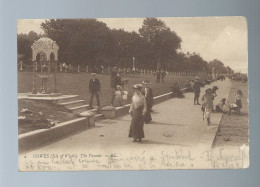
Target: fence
(77, 69)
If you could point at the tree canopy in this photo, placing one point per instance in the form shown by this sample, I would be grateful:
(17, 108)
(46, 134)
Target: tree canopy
(90, 42)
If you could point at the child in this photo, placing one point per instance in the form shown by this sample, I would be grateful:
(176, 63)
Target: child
(238, 100)
(125, 91)
(118, 96)
(223, 107)
(207, 103)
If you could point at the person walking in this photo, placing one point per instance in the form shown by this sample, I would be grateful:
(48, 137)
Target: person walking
(137, 110)
(113, 74)
(125, 91)
(163, 74)
(239, 100)
(207, 104)
(158, 76)
(196, 89)
(94, 89)
(147, 92)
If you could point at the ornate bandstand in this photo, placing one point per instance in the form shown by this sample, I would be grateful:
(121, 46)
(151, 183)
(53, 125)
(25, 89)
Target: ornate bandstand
(45, 56)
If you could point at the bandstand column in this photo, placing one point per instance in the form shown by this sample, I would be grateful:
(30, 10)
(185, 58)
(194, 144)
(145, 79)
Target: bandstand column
(55, 76)
(34, 91)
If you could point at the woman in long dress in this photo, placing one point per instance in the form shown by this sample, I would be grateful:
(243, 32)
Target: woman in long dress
(137, 111)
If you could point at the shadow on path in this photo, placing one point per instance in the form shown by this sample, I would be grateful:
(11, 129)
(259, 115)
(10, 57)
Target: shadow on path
(155, 142)
(160, 123)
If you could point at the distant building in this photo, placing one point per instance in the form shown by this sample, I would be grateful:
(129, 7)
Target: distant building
(188, 54)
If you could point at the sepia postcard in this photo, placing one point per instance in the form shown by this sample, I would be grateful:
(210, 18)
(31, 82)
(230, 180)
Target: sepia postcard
(132, 93)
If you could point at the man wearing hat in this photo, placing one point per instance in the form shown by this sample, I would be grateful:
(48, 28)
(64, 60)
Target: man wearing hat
(94, 89)
(113, 74)
(147, 92)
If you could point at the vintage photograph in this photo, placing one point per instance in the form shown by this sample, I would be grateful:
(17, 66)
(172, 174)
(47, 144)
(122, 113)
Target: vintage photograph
(132, 93)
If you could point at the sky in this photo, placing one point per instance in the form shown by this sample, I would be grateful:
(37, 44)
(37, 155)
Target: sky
(223, 38)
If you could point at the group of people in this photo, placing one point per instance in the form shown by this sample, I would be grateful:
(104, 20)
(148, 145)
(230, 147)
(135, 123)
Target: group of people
(142, 100)
(208, 105)
(160, 75)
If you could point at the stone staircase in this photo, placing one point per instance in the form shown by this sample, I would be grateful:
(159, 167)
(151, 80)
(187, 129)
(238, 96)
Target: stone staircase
(78, 107)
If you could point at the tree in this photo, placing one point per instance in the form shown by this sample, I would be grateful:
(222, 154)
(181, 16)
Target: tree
(24, 42)
(81, 41)
(162, 43)
(218, 66)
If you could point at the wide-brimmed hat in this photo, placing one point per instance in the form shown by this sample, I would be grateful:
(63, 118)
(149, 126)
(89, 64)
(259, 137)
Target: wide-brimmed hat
(137, 86)
(93, 73)
(146, 82)
(196, 77)
(215, 88)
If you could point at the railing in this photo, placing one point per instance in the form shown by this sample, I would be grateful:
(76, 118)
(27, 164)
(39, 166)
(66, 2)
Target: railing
(77, 69)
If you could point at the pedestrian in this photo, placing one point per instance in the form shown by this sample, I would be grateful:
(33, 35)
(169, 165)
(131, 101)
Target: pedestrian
(158, 76)
(125, 91)
(176, 92)
(223, 107)
(64, 65)
(147, 92)
(94, 89)
(116, 81)
(196, 89)
(163, 74)
(113, 74)
(137, 111)
(207, 104)
(239, 100)
(118, 96)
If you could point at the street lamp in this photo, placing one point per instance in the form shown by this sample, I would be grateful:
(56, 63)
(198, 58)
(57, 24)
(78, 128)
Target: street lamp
(133, 63)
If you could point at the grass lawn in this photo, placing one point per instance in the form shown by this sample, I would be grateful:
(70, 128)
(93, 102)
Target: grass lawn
(39, 113)
(234, 129)
(77, 84)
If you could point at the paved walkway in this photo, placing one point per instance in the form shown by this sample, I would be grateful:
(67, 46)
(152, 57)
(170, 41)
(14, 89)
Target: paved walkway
(175, 122)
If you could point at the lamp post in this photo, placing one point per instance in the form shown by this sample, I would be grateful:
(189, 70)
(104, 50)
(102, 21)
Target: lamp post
(133, 63)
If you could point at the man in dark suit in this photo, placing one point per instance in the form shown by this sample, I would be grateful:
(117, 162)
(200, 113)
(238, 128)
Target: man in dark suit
(148, 94)
(94, 89)
(113, 75)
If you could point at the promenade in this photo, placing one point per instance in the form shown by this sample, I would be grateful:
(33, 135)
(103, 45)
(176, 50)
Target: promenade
(176, 122)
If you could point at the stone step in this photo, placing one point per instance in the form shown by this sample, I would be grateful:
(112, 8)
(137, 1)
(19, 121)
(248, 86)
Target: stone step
(85, 113)
(78, 109)
(72, 104)
(67, 98)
